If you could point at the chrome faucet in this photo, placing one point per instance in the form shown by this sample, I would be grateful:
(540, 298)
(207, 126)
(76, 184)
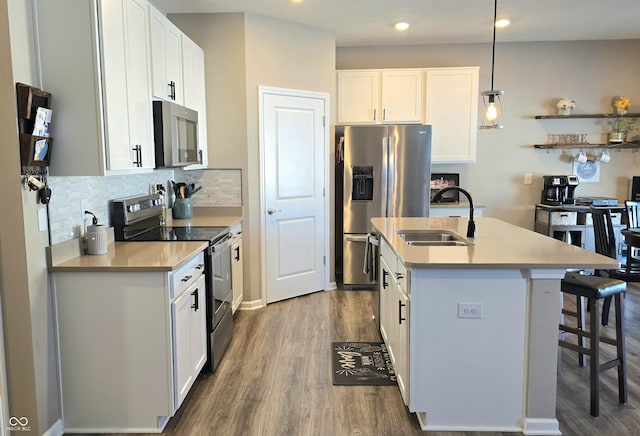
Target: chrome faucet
(471, 227)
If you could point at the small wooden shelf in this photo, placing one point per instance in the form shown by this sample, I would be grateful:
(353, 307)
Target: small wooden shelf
(558, 117)
(28, 148)
(613, 146)
(29, 99)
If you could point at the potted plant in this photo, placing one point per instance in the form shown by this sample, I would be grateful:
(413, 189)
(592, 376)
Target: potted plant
(621, 104)
(621, 128)
(565, 106)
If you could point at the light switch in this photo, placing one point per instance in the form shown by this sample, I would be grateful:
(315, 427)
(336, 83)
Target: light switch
(527, 178)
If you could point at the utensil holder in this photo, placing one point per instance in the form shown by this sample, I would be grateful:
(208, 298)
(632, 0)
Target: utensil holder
(96, 239)
(182, 208)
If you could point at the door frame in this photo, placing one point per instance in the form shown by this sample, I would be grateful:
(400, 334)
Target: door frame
(262, 91)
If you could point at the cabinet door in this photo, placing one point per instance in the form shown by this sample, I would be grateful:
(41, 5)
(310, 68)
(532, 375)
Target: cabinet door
(385, 300)
(452, 110)
(402, 344)
(139, 81)
(126, 82)
(189, 338)
(195, 94)
(402, 96)
(166, 56)
(237, 280)
(358, 96)
(113, 20)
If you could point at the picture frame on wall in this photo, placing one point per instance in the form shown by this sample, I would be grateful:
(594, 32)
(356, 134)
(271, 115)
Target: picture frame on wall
(444, 180)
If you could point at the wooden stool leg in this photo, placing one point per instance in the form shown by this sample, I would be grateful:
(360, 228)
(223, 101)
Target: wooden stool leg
(621, 349)
(580, 319)
(594, 357)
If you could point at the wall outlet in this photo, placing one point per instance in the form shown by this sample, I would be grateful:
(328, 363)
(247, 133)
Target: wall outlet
(470, 310)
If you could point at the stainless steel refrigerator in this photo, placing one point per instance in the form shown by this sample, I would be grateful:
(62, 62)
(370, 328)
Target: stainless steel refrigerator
(386, 172)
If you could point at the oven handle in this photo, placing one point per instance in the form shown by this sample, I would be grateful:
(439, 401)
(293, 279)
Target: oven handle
(223, 243)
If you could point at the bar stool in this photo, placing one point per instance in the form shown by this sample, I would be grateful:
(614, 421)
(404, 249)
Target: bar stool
(606, 287)
(594, 289)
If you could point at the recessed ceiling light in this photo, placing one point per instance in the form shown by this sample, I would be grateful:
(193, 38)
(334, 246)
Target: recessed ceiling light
(402, 26)
(503, 22)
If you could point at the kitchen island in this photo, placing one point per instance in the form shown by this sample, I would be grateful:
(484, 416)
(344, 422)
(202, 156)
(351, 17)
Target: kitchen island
(473, 329)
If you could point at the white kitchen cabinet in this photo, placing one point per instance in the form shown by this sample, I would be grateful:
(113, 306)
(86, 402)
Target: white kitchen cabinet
(189, 337)
(452, 109)
(97, 65)
(130, 345)
(380, 96)
(394, 314)
(237, 271)
(193, 73)
(166, 57)
(453, 210)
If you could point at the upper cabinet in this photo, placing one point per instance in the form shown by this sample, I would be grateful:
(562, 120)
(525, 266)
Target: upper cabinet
(380, 96)
(452, 109)
(97, 64)
(166, 57)
(446, 98)
(195, 92)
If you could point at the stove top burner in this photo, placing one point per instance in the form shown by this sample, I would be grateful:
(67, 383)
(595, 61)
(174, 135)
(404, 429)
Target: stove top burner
(210, 234)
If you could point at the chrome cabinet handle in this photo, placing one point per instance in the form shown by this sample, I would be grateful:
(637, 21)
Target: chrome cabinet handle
(374, 114)
(195, 305)
(186, 278)
(384, 279)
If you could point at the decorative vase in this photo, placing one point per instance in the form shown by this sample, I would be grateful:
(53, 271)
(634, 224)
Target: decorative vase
(616, 137)
(182, 208)
(564, 110)
(621, 111)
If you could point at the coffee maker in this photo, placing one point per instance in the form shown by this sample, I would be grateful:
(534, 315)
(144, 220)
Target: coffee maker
(558, 190)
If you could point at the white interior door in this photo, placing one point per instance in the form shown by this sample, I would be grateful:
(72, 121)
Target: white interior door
(293, 144)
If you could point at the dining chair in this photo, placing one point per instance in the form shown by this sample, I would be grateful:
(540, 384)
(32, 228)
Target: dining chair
(632, 235)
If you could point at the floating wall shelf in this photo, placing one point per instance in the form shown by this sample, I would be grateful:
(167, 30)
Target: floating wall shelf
(621, 146)
(558, 117)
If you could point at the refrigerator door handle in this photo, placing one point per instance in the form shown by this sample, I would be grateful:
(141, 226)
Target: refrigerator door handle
(358, 238)
(384, 176)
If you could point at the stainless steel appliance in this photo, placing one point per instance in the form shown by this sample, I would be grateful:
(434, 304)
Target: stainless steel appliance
(559, 190)
(138, 219)
(175, 134)
(386, 172)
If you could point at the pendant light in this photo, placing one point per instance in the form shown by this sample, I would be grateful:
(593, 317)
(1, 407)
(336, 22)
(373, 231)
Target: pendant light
(491, 99)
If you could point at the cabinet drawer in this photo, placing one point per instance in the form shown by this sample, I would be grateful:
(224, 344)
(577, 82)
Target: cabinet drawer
(389, 256)
(184, 277)
(557, 218)
(402, 277)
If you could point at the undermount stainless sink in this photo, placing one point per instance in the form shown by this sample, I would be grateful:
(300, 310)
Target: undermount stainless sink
(443, 238)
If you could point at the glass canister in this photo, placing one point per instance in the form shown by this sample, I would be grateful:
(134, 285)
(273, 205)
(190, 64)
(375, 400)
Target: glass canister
(182, 208)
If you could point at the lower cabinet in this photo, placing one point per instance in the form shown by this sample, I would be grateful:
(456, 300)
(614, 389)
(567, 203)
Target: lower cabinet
(130, 345)
(237, 279)
(394, 314)
(189, 338)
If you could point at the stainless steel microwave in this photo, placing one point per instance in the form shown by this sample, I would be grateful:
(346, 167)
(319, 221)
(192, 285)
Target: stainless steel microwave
(175, 134)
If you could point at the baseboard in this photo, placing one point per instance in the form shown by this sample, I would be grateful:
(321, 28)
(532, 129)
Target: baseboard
(57, 429)
(251, 305)
(541, 426)
(332, 286)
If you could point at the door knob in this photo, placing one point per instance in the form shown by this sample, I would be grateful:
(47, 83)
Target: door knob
(272, 211)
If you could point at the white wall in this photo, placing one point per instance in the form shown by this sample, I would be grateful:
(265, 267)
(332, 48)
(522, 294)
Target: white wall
(534, 76)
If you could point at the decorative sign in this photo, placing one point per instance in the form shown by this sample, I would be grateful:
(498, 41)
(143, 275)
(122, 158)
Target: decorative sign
(569, 139)
(587, 172)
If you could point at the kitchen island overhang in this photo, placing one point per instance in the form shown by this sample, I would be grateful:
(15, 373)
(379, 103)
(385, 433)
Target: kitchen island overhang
(497, 372)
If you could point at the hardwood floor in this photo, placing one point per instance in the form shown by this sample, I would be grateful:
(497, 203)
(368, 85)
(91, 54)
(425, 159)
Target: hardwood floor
(275, 379)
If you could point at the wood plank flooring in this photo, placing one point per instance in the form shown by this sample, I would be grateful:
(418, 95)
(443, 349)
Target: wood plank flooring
(275, 379)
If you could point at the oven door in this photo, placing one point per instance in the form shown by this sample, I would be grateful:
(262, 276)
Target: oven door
(221, 279)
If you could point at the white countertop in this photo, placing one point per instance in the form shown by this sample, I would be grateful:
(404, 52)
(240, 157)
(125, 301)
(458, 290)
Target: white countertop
(497, 244)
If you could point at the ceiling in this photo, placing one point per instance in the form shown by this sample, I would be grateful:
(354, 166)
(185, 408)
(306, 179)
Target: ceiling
(370, 22)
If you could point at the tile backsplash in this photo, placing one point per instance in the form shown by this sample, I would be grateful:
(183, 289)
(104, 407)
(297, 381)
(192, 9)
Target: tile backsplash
(72, 195)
